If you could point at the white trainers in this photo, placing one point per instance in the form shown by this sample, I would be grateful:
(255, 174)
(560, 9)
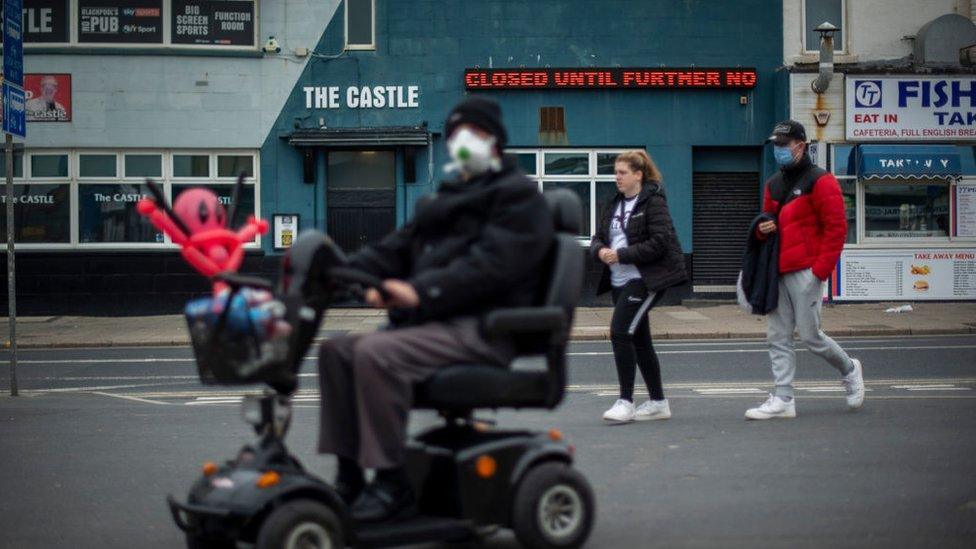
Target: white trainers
(653, 409)
(854, 385)
(622, 411)
(773, 408)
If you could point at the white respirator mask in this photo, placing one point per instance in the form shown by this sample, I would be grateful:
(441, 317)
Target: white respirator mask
(471, 154)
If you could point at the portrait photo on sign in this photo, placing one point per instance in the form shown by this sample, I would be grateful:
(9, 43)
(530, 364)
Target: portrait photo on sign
(48, 97)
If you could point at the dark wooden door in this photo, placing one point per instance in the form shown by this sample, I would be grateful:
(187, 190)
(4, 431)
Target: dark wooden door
(361, 197)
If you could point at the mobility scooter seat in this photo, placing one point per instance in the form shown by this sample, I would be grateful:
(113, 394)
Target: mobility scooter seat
(541, 330)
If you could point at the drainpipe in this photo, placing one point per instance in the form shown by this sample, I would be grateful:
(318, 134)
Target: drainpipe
(822, 82)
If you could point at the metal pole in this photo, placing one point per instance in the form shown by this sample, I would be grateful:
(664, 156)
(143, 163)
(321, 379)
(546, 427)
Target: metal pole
(11, 279)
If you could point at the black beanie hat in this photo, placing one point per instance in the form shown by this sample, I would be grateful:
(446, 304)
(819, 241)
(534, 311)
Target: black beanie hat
(481, 112)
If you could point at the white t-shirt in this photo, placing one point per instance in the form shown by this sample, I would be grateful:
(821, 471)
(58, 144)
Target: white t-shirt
(620, 274)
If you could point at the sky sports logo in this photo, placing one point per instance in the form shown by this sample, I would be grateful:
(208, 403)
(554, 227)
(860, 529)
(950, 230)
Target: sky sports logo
(867, 94)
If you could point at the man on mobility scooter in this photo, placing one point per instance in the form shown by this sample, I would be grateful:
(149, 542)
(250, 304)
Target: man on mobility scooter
(478, 244)
(488, 270)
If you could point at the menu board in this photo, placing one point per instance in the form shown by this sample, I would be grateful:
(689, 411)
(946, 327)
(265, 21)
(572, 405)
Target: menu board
(213, 22)
(120, 21)
(912, 275)
(966, 210)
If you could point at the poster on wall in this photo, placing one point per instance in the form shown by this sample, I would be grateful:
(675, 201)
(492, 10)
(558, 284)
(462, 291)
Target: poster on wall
(213, 22)
(916, 108)
(911, 275)
(285, 230)
(48, 97)
(120, 21)
(966, 210)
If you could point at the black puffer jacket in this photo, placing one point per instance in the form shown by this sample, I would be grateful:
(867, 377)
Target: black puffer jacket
(471, 247)
(652, 243)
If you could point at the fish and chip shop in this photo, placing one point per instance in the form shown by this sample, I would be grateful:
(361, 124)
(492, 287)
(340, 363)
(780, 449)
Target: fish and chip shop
(909, 182)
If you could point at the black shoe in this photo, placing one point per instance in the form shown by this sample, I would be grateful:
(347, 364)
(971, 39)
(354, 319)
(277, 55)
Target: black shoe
(382, 501)
(349, 491)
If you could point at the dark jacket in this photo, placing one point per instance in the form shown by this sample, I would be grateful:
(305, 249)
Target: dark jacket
(759, 278)
(652, 243)
(811, 221)
(471, 247)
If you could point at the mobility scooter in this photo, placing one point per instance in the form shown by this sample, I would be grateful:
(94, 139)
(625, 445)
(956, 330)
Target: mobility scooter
(470, 478)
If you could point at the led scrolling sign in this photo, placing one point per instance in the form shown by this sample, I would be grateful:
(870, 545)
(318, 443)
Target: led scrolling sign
(610, 78)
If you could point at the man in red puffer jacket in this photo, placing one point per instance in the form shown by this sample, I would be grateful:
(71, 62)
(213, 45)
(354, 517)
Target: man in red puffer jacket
(809, 208)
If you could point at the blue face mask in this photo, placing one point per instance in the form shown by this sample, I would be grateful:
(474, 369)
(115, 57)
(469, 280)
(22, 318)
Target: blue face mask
(783, 155)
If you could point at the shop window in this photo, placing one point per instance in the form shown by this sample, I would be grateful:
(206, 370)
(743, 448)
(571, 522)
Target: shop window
(49, 165)
(42, 214)
(848, 189)
(566, 164)
(906, 210)
(97, 165)
(18, 165)
(816, 12)
(360, 24)
(233, 165)
(107, 213)
(191, 165)
(143, 165)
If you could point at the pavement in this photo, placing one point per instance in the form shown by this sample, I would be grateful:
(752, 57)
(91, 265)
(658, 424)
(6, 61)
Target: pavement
(723, 321)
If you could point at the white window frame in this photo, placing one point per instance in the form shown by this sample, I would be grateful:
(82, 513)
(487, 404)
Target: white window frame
(167, 43)
(591, 176)
(166, 181)
(843, 30)
(345, 29)
(878, 242)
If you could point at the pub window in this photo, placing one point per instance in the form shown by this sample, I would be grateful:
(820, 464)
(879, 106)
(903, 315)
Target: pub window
(143, 165)
(87, 199)
(360, 24)
(588, 173)
(97, 165)
(49, 165)
(233, 165)
(18, 165)
(816, 12)
(191, 165)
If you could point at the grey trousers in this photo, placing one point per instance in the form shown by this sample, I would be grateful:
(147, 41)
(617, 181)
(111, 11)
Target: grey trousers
(800, 300)
(366, 383)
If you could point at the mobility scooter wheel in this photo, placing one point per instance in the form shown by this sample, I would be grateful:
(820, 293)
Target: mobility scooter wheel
(299, 524)
(553, 507)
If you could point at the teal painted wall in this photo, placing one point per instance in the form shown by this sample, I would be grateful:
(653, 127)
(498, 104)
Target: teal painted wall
(429, 43)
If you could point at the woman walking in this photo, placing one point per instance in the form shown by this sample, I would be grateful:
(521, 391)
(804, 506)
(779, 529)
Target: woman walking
(637, 244)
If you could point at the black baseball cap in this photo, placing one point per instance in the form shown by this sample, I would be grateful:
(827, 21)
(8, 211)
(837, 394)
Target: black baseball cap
(786, 130)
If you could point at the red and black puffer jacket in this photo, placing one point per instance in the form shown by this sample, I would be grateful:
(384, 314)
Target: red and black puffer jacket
(810, 218)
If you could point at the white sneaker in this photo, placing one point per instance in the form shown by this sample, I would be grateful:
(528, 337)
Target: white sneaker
(773, 408)
(854, 385)
(653, 409)
(622, 411)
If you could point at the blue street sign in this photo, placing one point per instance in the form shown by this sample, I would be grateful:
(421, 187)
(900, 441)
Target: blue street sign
(13, 42)
(14, 104)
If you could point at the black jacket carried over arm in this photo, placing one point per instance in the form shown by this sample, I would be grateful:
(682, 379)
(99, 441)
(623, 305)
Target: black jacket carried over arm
(471, 247)
(652, 243)
(759, 279)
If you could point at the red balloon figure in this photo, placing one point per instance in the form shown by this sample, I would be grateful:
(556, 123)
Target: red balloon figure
(200, 228)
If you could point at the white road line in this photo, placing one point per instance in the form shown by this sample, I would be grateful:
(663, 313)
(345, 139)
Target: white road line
(99, 388)
(729, 390)
(133, 398)
(101, 361)
(740, 351)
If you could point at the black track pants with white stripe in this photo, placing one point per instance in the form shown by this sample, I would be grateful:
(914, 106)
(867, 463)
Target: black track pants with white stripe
(630, 336)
